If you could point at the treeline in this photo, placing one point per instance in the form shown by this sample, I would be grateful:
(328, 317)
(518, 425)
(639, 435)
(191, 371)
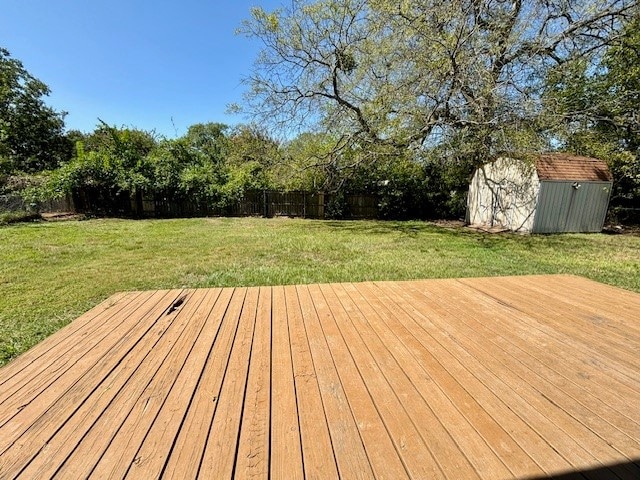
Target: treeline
(398, 100)
(210, 167)
(213, 166)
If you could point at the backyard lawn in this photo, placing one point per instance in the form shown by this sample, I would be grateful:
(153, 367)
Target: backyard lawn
(51, 272)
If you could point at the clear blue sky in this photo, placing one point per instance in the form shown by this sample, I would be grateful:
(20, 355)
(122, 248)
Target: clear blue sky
(137, 63)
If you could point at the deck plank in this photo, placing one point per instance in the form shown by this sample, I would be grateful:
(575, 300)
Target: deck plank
(465, 347)
(188, 448)
(375, 437)
(61, 446)
(409, 443)
(125, 418)
(484, 378)
(253, 449)
(152, 455)
(577, 444)
(317, 450)
(28, 378)
(567, 414)
(285, 444)
(580, 364)
(220, 451)
(552, 312)
(480, 406)
(431, 380)
(20, 370)
(22, 437)
(578, 292)
(348, 446)
(121, 453)
(398, 374)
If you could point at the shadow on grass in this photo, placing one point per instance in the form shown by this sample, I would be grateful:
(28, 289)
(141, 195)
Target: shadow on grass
(381, 227)
(483, 239)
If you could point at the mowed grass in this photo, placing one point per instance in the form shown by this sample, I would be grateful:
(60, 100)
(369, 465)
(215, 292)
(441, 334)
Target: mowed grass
(51, 272)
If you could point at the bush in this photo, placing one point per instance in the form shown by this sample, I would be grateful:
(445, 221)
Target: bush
(7, 218)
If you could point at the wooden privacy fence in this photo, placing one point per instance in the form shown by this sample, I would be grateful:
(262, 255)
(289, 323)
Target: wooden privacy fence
(15, 203)
(265, 203)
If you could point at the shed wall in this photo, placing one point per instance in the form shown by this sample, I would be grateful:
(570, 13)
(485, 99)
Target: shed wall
(503, 193)
(563, 208)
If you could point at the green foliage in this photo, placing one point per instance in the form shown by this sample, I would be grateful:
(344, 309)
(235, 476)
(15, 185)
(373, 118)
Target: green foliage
(209, 167)
(200, 183)
(457, 76)
(402, 99)
(97, 170)
(598, 110)
(167, 161)
(207, 142)
(241, 178)
(193, 166)
(304, 165)
(115, 160)
(31, 133)
(7, 218)
(337, 206)
(436, 87)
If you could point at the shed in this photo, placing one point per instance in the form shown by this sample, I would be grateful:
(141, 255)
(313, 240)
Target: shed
(556, 192)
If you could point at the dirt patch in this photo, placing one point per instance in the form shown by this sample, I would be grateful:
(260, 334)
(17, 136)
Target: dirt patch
(449, 223)
(610, 229)
(622, 230)
(61, 216)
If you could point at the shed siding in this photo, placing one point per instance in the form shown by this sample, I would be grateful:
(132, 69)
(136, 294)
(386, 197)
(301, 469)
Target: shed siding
(563, 208)
(503, 193)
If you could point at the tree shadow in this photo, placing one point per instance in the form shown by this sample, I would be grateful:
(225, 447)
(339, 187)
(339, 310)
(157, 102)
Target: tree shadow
(381, 227)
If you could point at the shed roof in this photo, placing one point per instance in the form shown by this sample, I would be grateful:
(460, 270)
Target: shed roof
(562, 166)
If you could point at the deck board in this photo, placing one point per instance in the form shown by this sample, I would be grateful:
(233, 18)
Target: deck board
(317, 450)
(285, 447)
(484, 378)
(434, 384)
(348, 446)
(489, 415)
(188, 449)
(537, 413)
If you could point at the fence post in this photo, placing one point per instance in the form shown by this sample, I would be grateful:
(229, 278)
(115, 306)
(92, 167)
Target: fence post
(265, 208)
(321, 205)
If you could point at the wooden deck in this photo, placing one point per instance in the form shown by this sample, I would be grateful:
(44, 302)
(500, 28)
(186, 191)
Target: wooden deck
(515, 377)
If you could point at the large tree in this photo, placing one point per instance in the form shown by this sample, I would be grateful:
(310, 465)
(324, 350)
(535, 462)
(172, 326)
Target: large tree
(462, 76)
(596, 110)
(31, 133)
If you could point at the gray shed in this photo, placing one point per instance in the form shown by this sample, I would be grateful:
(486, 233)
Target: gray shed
(556, 192)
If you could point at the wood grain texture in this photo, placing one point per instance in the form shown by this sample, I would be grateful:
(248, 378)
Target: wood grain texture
(485, 378)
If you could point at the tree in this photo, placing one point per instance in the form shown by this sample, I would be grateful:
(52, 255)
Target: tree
(250, 143)
(300, 169)
(253, 160)
(596, 110)
(463, 77)
(109, 169)
(208, 141)
(31, 133)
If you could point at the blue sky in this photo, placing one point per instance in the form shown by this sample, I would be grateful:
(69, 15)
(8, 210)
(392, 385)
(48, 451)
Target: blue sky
(136, 63)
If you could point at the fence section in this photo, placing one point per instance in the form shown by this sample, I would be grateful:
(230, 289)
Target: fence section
(15, 203)
(264, 203)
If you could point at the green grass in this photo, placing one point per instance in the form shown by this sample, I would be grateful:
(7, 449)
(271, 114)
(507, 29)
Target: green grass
(51, 272)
